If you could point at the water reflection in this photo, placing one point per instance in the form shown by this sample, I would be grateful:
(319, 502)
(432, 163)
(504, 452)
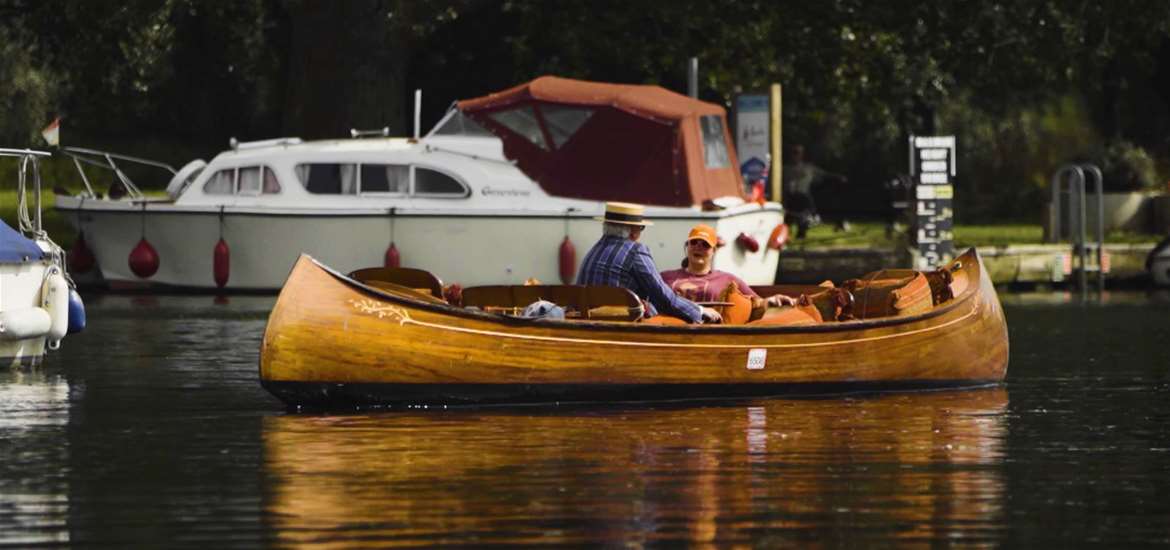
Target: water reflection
(1064, 297)
(915, 467)
(34, 410)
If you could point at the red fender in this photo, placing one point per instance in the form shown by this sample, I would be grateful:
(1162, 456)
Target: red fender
(392, 259)
(80, 257)
(221, 263)
(747, 242)
(758, 193)
(568, 261)
(779, 237)
(143, 259)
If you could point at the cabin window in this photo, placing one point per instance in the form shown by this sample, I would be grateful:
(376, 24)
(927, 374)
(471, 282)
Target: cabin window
(563, 122)
(434, 183)
(271, 183)
(221, 183)
(714, 142)
(522, 120)
(385, 178)
(458, 124)
(256, 180)
(328, 178)
(249, 180)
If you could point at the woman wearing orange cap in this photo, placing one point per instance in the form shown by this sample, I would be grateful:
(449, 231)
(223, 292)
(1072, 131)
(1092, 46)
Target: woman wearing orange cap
(698, 281)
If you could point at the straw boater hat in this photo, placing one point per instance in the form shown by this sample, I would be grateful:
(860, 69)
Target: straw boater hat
(624, 213)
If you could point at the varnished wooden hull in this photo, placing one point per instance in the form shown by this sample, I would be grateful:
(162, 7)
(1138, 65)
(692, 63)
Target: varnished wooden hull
(333, 342)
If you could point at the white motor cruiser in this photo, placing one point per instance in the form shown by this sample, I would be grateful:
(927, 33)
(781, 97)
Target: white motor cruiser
(449, 203)
(38, 305)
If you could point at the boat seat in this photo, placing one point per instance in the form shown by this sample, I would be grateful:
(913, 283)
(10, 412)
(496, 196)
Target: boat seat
(947, 282)
(890, 293)
(664, 320)
(408, 277)
(791, 316)
(740, 307)
(416, 293)
(792, 290)
(598, 303)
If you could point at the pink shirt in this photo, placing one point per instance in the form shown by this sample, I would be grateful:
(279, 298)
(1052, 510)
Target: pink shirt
(703, 288)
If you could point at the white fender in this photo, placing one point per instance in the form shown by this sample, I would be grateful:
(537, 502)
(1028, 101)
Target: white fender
(18, 324)
(55, 300)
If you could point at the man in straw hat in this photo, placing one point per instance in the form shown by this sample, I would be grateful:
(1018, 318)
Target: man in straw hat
(618, 259)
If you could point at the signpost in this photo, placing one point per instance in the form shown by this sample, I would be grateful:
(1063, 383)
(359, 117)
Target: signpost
(932, 163)
(751, 136)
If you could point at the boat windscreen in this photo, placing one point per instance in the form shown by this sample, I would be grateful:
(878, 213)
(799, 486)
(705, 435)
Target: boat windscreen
(456, 124)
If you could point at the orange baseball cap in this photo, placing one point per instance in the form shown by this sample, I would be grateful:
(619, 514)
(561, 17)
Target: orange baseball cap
(704, 233)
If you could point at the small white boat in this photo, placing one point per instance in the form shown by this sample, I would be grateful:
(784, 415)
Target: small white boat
(38, 305)
(449, 203)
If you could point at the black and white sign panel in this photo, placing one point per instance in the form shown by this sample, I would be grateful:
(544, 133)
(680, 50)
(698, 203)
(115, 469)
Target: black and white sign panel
(932, 163)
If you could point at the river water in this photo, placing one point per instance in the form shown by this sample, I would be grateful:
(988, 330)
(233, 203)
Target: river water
(151, 430)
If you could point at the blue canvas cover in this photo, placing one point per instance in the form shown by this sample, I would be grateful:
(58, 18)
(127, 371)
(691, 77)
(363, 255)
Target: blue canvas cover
(15, 248)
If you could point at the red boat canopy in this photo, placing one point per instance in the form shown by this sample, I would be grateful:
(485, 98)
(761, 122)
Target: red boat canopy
(613, 142)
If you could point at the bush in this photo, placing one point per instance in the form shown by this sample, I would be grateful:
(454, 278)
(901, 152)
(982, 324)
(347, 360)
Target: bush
(1126, 167)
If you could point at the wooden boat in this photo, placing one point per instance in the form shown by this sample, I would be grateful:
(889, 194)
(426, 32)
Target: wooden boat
(336, 340)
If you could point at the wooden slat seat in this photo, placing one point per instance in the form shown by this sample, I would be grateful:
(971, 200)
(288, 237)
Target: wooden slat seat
(408, 277)
(604, 303)
(890, 293)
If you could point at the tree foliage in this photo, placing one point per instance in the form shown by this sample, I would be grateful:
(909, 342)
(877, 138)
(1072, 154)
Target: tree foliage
(858, 77)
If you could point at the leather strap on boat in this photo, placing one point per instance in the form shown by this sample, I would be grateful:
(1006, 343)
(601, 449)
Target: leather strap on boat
(940, 285)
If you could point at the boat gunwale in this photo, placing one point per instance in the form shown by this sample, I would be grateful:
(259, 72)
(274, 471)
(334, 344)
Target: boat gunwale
(169, 207)
(974, 270)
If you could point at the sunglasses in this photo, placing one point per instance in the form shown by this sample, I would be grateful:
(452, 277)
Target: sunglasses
(699, 242)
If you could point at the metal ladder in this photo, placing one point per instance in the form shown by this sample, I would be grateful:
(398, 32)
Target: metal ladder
(1074, 176)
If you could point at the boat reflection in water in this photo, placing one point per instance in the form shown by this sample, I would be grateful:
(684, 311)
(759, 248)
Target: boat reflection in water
(35, 495)
(899, 467)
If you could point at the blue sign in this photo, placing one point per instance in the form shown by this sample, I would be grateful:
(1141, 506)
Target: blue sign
(752, 142)
(754, 169)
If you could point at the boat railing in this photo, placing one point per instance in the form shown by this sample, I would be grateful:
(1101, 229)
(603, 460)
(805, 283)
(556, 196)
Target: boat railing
(30, 224)
(1069, 219)
(107, 160)
(237, 145)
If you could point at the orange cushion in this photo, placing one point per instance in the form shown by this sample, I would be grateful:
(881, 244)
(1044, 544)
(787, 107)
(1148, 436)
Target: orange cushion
(740, 309)
(895, 292)
(664, 320)
(829, 304)
(791, 316)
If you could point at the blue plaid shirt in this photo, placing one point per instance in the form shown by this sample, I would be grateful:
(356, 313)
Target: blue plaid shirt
(618, 261)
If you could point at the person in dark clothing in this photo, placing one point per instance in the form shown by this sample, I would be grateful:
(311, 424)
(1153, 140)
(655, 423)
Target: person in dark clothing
(799, 179)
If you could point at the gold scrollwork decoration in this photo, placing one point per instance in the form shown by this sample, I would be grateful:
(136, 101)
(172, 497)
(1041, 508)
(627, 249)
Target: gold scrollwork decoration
(383, 311)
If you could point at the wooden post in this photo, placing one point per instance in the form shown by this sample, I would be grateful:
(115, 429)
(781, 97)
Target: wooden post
(776, 170)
